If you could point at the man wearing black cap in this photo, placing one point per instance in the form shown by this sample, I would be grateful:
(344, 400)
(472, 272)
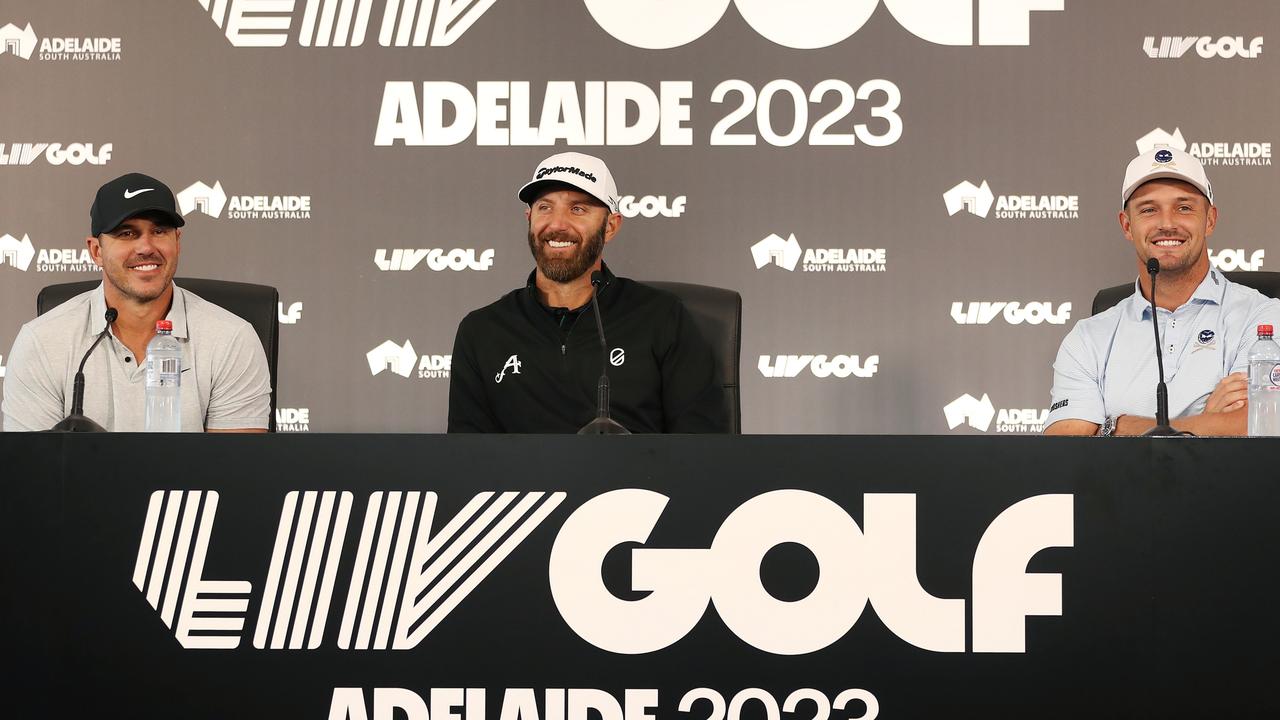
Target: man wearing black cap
(135, 237)
(530, 361)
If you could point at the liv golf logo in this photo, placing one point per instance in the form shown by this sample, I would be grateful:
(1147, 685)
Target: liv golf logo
(21, 42)
(212, 200)
(786, 254)
(979, 199)
(343, 23)
(428, 572)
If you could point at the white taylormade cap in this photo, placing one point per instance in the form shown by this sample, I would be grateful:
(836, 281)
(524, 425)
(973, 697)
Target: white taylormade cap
(1165, 162)
(588, 174)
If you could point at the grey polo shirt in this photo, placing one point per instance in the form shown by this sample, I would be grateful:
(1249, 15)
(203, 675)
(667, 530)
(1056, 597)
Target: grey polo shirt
(1106, 366)
(225, 381)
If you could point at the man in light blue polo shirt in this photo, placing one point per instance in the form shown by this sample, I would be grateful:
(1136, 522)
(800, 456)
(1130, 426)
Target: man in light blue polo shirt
(1105, 376)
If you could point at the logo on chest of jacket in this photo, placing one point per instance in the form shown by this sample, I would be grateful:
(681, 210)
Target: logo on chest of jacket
(1206, 340)
(617, 356)
(512, 364)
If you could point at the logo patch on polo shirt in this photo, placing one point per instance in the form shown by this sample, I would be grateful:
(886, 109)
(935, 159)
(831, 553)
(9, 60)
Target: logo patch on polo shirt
(1205, 337)
(617, 356)
(513, 364)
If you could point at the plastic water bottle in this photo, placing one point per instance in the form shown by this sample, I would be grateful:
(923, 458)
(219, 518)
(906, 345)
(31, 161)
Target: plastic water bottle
(1264, 385)
(164, 380)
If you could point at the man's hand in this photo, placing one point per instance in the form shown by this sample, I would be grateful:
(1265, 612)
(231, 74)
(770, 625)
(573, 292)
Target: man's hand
(1231, 393)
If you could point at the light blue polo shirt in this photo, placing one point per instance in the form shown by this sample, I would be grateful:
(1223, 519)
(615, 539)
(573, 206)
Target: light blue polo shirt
(1106, 366)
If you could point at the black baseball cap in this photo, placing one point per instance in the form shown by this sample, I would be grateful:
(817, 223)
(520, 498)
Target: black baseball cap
(129, 196)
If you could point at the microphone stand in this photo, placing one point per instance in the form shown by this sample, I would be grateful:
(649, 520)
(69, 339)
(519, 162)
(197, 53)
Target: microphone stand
(76, 421)
(1162, 428)
(602, 424)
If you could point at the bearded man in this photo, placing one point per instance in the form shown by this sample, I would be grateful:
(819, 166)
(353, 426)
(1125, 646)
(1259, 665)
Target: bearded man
(529, 363)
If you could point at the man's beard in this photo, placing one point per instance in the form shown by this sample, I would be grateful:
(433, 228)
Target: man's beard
(572, 267)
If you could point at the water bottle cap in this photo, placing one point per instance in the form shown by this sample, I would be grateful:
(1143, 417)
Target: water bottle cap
(167, 325)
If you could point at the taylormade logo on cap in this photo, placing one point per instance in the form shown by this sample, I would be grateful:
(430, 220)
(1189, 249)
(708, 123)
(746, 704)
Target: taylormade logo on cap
(584, 172)
(543, 172)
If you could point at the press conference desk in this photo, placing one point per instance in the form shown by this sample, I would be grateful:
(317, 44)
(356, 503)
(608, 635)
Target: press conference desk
(333, 576)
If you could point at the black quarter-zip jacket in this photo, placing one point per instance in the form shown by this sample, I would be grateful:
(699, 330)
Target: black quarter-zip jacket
(521, 367)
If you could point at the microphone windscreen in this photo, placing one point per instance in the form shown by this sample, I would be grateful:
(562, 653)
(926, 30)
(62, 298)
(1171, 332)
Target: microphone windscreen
(1153, 266)
(597, 278)
(111, 315)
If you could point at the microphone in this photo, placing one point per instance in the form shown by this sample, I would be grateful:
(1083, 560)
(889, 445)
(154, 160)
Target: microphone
(1162, 428)
(603, 424)
(76, 421)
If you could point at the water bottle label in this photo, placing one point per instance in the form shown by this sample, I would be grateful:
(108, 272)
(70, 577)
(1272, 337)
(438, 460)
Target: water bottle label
(1275, 374)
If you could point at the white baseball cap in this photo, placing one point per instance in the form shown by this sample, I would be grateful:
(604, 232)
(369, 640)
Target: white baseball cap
(1163, 161)
(588, 174)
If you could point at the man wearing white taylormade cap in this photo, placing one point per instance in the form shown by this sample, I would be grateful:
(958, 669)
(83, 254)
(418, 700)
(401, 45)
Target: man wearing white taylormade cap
(530, 361)
(1105, 376)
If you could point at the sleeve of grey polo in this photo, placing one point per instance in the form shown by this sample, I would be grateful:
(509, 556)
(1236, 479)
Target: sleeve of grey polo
(33, 398)
(1267, 313)
(240, 396)
(1077, 385)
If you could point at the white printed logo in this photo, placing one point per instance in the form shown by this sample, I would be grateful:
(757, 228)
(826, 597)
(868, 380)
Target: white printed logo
(329, 23)
(967, 196)
(978, 414)
(1213, 153)
(1228, 260)
(1014, 313)
(512, 364)
(872, 564)
(54, 153)
(20, 42)
(292, 316)
(617, 356)
(16, 253)
(457, 259)
(211, 200)
(661, 24)
(968, 409)
(1206, 47)
(19, 254)
(130, 194)
(787, 253)
(401, 360)
(390, 356)
(405, 586)
(650, 206)
(293, 420)
(439, 568)
(820, 366)
(202, 198)
(773, 249)
(978, 199)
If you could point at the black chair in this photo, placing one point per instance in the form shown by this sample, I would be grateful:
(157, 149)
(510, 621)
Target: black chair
(718, 314)
(257, 304)
(1265, 282)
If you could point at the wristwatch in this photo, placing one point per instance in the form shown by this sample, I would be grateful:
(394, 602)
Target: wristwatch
(1108, 427)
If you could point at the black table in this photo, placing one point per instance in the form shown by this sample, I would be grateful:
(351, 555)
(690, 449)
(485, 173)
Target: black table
(494, 576)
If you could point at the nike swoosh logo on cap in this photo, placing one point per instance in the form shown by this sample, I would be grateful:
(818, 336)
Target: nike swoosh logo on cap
(134, 193)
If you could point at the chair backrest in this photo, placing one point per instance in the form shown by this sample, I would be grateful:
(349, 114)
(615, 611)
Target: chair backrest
(257, 304)
(718, 314)
(1265, 282)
